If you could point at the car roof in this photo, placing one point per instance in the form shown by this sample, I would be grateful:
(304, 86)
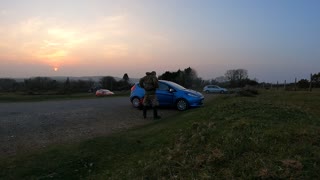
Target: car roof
(170, 83)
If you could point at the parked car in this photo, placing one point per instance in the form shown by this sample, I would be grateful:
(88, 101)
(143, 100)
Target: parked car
(214, 89)
(104, 92)
(169, 94)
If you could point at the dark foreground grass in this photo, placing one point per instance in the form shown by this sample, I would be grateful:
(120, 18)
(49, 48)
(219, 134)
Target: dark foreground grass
(275, 135)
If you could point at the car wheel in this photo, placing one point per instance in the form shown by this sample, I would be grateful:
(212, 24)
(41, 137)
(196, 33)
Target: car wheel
(136, 102)
(207, 91)
(182, 104)
(221, 92)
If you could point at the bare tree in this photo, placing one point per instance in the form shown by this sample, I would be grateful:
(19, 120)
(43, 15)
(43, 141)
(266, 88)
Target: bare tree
(242, 74)
(237, 77)
(236, 74)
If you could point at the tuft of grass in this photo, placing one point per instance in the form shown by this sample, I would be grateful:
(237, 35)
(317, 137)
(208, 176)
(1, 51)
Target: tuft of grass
(275, 135)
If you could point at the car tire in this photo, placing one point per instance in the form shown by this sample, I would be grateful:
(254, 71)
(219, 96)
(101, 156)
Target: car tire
(136, 102)
(221, 92)
(182, 105)
(207, 91)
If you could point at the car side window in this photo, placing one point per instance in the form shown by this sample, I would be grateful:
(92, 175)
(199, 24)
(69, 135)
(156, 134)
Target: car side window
(163, 87)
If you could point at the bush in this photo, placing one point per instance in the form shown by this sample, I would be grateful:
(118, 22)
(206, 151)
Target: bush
(247, 91)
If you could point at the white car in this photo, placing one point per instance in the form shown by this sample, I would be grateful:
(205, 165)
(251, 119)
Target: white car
(104, 92)
(214, 89)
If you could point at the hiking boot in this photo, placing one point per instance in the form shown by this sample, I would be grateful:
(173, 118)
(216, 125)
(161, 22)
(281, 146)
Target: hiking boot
(144, 112)
(155, 114)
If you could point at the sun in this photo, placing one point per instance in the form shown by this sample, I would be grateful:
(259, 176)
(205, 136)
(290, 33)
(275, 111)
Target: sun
(55, 69)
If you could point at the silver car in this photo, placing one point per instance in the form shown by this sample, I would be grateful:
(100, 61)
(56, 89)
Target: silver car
(214, 89)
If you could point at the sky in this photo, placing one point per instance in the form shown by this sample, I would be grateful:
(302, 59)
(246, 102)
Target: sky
(274, 40)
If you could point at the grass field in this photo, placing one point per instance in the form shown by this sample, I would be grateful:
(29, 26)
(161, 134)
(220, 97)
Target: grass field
(274, 135)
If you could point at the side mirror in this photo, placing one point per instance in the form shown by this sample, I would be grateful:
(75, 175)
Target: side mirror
(171, 90)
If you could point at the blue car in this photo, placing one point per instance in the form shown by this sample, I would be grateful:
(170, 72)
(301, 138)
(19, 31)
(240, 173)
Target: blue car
(169, 94)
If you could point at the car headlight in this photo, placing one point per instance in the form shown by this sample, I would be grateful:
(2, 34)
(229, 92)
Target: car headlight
(192, 95)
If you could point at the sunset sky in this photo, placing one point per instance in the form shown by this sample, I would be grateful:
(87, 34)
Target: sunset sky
(275, 40)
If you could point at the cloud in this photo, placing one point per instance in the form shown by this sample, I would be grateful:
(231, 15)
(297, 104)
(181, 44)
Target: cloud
(30, 26)
(56, 42)
(41, 38)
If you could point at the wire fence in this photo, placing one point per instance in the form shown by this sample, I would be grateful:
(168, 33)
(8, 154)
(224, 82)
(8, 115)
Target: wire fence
(308, 86)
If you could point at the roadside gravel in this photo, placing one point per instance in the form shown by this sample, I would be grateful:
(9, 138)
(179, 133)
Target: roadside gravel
(26, 126)
(33, 125)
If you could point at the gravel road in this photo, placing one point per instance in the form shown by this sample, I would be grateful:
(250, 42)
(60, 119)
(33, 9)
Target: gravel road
(32, 125)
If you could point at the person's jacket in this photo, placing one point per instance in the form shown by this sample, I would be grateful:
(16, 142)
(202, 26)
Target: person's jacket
(149, 83)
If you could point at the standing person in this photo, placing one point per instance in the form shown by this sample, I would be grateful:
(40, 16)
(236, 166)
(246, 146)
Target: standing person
(150, 84)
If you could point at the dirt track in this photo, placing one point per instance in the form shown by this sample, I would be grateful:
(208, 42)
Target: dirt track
(33, 125)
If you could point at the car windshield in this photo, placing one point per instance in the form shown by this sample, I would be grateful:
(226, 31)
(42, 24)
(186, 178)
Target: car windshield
(175, 85)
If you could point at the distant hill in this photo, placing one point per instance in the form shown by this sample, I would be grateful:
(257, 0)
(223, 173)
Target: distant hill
(74, 78)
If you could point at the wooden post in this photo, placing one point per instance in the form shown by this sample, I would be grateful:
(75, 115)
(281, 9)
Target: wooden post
(310, 86)
(284, 86)
(295, 84)
(277, 85)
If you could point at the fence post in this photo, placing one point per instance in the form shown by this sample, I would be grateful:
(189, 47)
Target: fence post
(310, 86)
(295, 84)
(284, 86)
(277, 85)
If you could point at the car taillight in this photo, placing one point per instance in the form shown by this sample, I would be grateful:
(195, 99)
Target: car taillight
(133, 87)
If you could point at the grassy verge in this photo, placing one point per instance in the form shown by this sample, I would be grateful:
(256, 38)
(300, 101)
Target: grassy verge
(275, 135)
(20, 97)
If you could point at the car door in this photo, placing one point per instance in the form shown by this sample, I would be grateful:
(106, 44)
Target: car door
(215, 89)
(165, 97)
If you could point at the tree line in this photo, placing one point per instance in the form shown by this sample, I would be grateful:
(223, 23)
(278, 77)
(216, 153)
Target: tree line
(314, 80)
(38, 85)
(188, 78)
